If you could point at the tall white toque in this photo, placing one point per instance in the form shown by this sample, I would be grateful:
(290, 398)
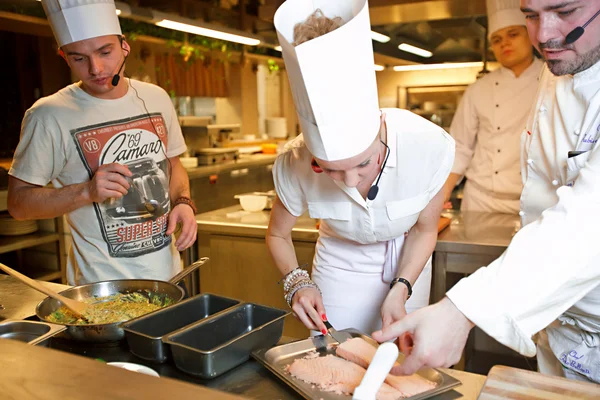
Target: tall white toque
(75, 20)
(332, 77)
(502, 14)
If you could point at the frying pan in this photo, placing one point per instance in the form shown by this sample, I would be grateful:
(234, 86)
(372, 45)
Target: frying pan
(166, 292)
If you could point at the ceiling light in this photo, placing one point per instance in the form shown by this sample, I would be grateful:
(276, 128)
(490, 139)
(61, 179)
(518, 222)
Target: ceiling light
(380, 37)
(197, 30)
(415, 50)
(423, 67)
(379, 67)
(278, 48)
(203, 29)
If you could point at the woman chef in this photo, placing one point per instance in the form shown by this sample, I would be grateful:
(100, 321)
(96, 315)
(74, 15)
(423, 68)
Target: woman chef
(369, 175)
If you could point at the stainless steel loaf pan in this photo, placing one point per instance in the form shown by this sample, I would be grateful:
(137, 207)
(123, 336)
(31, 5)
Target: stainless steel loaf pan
(32, 332)
(144, 334)
(219, 343)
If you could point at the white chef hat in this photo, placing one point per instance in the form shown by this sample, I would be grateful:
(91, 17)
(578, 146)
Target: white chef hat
(502, 14)
(75, 20)
(332, 77)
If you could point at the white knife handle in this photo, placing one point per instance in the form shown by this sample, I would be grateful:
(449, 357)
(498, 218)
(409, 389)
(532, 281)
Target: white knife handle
(386, 355)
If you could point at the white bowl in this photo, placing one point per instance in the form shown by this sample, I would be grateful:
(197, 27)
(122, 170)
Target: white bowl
(253, 203)
(135, 368)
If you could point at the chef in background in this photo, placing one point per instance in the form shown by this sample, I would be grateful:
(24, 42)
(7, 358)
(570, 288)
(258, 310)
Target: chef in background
(492, 114)
(548, 279)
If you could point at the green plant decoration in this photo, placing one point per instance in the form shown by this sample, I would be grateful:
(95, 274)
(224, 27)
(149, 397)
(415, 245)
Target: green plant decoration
(273, 66)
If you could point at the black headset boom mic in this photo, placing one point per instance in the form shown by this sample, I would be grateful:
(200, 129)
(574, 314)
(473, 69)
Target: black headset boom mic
(117, 77)
(576, 33)
(373, 190)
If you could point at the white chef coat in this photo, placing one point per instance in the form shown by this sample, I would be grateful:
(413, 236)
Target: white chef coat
(360, 241)
(487, 128)
(552, 266)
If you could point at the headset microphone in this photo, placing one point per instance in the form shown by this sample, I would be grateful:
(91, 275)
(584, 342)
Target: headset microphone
(576, 33)
(117, 77)
(375, 188)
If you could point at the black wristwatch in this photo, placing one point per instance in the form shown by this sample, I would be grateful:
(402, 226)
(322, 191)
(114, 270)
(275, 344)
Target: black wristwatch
(407, 283)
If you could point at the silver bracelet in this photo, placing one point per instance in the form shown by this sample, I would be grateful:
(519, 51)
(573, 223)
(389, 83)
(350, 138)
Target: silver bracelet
(300, 285)
(287, 293)
(293, 276)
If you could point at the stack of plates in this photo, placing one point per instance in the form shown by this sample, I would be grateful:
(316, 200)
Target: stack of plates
(11, 227)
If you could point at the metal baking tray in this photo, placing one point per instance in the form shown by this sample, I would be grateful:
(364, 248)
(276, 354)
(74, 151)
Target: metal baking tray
(277, 358)
(144, 334)
(34, 333)
(221, 342)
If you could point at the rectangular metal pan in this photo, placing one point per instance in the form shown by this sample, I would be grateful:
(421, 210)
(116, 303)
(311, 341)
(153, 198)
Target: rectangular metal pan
(144, 334)
(221, 342)
(278, 358)
(34, 333)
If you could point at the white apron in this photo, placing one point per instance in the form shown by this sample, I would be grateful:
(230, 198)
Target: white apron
(475, 198)
(355, 278)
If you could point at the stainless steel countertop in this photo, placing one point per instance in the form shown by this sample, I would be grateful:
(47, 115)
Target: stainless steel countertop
(18, 300)
(250, 379)
(235, 221)
(244, 162)
(469, 232)
(477, 233)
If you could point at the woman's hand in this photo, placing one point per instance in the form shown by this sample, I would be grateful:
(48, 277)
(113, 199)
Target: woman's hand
(393, 308)
(307, 305)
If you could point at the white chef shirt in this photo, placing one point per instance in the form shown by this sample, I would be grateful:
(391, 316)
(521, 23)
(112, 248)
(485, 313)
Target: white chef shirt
(487, 128)
(421, 155)
(552, 265)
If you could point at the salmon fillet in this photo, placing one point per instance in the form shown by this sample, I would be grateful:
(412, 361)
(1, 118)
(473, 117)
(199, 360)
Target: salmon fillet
(360, 352)
(333, 374)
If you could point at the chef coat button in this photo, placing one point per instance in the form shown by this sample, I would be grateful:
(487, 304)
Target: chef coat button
(577, 131)
(542, 109)
(555, 182)
(530, 161)
(521, 213)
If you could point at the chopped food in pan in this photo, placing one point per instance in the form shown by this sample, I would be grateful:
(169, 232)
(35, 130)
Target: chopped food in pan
(116, 308)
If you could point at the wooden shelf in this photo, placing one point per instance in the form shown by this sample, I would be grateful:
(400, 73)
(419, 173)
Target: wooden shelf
(42, 274)
(12, 243)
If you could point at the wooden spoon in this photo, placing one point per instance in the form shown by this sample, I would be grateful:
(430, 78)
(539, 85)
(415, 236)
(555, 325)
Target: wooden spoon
(77, 307)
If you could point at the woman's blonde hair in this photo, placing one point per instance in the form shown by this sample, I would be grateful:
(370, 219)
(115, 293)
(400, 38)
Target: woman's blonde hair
(315, 25)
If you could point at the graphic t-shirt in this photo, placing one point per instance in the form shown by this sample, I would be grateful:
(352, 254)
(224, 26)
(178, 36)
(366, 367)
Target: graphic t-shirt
(66, 137)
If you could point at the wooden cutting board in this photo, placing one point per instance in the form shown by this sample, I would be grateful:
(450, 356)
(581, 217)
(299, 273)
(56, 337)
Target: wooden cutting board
(443, 223)
(512, 383)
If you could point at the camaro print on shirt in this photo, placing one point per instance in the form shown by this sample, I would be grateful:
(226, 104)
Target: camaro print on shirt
(134, 224)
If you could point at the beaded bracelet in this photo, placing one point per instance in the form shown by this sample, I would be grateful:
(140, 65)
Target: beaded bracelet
(292, 276)
(187, 201)
(286, 293)
(297, 287)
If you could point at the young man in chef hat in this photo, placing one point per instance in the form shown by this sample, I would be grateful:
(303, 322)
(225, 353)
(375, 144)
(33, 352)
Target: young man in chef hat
(93, 140)
(547, 280)
(369, 175)
(492, 115)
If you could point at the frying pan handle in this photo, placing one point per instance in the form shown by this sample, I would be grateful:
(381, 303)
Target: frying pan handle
(188, 270)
